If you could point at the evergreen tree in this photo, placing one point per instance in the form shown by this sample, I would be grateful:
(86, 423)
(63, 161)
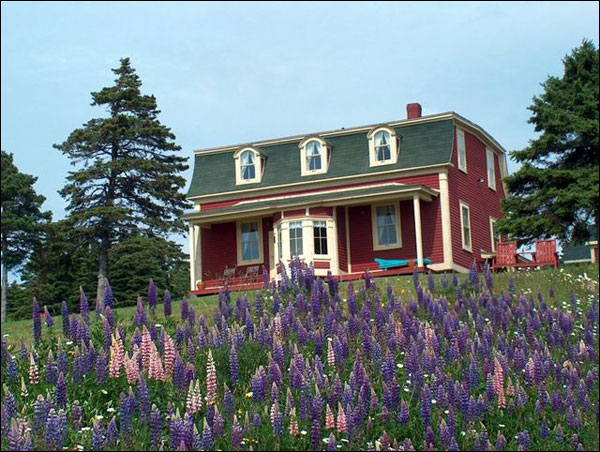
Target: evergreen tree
(128, 178)
(21, 219)
(555, 192)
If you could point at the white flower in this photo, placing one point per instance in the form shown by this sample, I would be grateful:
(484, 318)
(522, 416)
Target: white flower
(99, 416)
(433, 401)
(303, 432)
(85, 429)
(103, 391)
(110, 410)
(400, 366)
(501, 425)
(69, 342)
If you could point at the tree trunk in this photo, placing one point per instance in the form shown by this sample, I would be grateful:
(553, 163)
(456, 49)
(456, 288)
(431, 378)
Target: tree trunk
(4, 289)
(102, 273)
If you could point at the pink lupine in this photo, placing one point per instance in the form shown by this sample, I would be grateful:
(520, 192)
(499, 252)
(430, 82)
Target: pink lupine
(530, 369)
(277, 326)
(131, 368)
(510, 389)
(34, 375)
(498, 382)
(341, 419)
(293, 423)
(211, 380)
(330, 353)
(146, 347)
(24, 392)
(114, 366)
(169, 355)
(329, 419)
(155, 371)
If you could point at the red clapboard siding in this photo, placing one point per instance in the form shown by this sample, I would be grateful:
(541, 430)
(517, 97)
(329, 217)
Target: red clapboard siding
(483, 201)
(429, 180)
(341, 234)
(321, 211)
(294, 213)
(219, 248)
(321, 264)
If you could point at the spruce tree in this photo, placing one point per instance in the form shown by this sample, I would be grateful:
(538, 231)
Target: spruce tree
(21, 219)
(555, 192)
(128, 176)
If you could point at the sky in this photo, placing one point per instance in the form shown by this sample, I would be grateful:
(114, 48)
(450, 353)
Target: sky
(227, 73)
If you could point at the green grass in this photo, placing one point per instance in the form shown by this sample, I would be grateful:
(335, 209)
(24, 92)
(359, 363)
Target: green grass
(565, 281)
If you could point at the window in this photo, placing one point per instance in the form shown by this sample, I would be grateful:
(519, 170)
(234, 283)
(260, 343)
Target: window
(314, 155)
(279, 244)
(462, 151)
(386, 227)
(249, 165)
(295, 238)
(491, 170)
(465, 226)
(494, 234)
(383, 146)
(249, 242)
(320, 237)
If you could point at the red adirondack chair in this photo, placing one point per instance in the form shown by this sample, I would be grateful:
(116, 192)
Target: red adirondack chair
(506, 255)
(545, 253)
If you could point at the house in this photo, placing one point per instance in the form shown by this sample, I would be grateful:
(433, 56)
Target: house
(586, 253)
(424, 187)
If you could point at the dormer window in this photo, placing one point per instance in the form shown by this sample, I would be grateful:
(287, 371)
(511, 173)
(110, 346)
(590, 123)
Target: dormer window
(249, 165)
(314, 156)
(383, 146)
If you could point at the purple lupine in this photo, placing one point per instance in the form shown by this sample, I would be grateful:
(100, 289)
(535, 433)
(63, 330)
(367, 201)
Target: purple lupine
(125, 412)
(155, 427)
(48, 318)
(76, 415)
(425, 405)
(500, 442)
(403, 416)
(207, 437)
(236, 434)
(184, 309)
(523, 440)
(98, 436)
(167, 303)
(101, 367)
(40, 412)
(12, 371)
(109, 299)
(152, 296)
(112, 433)
(228, 402)
(37, 321)
(52, 434)
(84, 306)
(61, 391)
(234, 366)
(64, 312)
(143, 397)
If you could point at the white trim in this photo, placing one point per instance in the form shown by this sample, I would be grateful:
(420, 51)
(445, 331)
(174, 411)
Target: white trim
(192, 257)
(492, 230)
(491, 180)
(348, 257)
(238, 236)
(460, 136)
(418, 232)
(322, 183)
(468, 248)
(335, 252)
(445, 214)
(393, 144)
(195, 240)
(374, 228)
(578, 261)
(324, 155)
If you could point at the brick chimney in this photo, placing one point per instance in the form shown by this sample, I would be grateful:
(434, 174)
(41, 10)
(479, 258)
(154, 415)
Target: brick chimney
(413, 110)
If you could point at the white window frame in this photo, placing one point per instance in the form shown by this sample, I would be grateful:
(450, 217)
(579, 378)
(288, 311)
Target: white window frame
(302, 238)
(492, 233)
(375, 230)
(461, 148)
(327, 244)
(325, 156)
(489, 154)
(465, 247)
(258, 166)
(240, 257)
(394, 147)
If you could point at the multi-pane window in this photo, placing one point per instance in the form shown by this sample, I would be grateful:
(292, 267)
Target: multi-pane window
(387, 226)
(250, 241)
(313, 155)
(279, 243)
(465, 221)
(383, 150)
(320, 236)
(248, 167)
(491, 170)
(462, 151)
(494, 234)
(295, 238)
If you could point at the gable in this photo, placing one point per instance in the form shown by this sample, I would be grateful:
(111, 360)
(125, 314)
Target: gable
(423, 143)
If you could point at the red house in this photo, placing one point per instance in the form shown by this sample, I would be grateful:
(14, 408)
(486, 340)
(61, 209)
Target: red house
(425, 189)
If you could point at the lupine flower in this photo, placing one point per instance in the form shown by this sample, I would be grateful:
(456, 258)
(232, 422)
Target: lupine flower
(152, 296)
(48, 317)
(112, 433)
(155, 427)
(61, 391)
(98, 435)
(155, 371)
(169, 355)
(341, 420)
(211, 380)
(24, 392)
(84, 306)
(167, 304)
(207, 438)
(498, 383)
(329, 419)
(194, 398)
(34, 376)
(234, 367)
(37, 321)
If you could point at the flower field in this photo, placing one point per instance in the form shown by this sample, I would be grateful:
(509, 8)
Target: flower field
(314, 365)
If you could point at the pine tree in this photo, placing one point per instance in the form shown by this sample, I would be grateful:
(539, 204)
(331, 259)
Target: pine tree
(128, 178)
(21, 220)
(555, 192)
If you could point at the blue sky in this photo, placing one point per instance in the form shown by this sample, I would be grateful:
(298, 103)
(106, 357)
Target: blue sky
(225, 73)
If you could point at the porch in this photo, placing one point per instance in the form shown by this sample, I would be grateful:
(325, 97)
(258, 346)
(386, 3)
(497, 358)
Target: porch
(336, 230)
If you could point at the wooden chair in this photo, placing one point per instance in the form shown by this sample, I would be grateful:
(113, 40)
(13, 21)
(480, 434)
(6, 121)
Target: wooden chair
(545, 253)
(506, 255)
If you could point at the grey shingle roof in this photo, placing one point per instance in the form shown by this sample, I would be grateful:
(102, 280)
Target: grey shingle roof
(422, 144)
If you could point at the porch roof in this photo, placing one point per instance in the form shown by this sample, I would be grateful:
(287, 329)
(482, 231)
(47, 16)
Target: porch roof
(322, 198)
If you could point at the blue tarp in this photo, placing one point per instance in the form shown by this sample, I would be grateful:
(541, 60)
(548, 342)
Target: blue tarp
(384, 264)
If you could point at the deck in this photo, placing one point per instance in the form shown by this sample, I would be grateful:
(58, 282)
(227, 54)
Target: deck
(243, 284)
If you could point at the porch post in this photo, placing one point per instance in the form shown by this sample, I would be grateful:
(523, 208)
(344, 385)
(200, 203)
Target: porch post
(418, 235)
(192, 258)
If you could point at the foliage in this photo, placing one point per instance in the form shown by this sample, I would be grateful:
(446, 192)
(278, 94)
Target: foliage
(555, 191)
(463, 365)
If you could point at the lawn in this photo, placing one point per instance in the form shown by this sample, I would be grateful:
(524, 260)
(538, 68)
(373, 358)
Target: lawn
(480, 362)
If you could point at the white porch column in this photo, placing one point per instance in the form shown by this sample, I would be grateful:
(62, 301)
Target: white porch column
(445, 209)
(195, 238)
(418, 235)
